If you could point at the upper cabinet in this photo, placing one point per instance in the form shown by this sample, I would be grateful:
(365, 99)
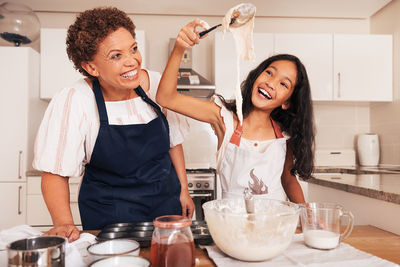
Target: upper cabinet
(362, 67)
(316, 53)
(339, 67)
(226, 60)
(56, 70)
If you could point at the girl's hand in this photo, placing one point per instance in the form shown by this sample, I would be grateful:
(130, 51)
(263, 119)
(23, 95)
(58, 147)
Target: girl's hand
(188, 36)
(67, 230)
(187, 204)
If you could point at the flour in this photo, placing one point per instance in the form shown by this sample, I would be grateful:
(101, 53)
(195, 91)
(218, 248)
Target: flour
(243, 37)
(271, 230)
(321, 239)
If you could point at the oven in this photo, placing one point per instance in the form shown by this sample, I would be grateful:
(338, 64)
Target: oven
(202, 188)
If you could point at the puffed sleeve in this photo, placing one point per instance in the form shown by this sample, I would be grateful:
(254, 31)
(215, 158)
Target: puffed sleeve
(178, 124)
(59, 145)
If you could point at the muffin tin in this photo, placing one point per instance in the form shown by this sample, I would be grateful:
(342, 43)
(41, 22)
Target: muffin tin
(143, 231)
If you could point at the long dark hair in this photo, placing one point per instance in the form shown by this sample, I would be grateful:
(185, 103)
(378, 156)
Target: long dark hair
(297, 121)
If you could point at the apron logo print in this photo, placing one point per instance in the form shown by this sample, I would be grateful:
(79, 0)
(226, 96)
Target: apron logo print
(257, 187)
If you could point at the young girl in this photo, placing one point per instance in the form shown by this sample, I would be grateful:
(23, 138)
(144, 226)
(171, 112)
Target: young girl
(275, 141)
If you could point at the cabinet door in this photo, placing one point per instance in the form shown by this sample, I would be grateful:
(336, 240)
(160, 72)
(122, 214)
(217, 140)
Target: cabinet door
(18, 66)
(362, 67)
(12, 204)
(56, 70)
(226, 60)
(315, 51)
(37, 212)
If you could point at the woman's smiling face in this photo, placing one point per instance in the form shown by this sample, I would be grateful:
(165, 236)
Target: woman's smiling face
(117, 62)
(274, 86)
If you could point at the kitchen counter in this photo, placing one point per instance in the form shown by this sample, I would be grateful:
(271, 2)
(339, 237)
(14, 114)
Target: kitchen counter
(364, 237)
(381, 183)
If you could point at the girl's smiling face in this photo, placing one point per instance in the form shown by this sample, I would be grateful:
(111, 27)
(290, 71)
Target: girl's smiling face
(117, 63)
(274, 86)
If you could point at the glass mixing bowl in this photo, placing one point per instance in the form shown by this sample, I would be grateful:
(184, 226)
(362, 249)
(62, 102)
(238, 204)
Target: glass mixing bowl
(259, 236)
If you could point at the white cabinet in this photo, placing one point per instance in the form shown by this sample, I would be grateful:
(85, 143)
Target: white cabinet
(362, 67)
(19, 76)
(226, 60)
(340, 67)
(12, 204)
(316, 53)
(37, 213)
(56, 70)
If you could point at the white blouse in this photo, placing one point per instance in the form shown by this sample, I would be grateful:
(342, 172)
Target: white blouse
(68, 132)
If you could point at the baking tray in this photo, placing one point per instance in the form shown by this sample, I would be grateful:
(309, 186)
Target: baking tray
(143, 231)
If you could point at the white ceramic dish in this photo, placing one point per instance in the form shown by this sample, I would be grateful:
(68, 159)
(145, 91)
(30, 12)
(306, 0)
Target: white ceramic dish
(114, 247)
(122, 261)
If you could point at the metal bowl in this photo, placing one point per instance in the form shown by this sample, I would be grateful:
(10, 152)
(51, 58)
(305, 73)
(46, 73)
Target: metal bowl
(38, 251)
(118, 229)
(144, 228)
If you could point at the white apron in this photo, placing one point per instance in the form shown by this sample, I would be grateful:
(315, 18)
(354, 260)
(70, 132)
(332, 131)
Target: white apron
(240, 167)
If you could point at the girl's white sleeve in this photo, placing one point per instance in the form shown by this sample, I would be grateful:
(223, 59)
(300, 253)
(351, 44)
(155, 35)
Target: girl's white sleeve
(59, 146)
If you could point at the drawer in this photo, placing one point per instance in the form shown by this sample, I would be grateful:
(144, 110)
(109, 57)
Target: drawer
(34, 185)
(38, 215)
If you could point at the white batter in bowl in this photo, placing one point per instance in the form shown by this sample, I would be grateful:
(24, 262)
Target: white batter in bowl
(262, 236)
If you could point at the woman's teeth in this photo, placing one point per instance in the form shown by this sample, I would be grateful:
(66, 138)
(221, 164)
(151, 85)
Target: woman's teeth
(129, 74)
(264, 93)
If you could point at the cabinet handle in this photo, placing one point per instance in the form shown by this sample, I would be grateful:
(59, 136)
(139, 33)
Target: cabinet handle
(19, 199)
(338, 77)
(19, 164)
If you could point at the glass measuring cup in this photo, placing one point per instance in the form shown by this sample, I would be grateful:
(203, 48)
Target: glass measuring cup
(321, 224)
(172, 242)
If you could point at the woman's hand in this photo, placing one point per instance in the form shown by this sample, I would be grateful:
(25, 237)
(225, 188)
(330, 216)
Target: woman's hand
(67, 230)
(187, 204)
(188, 36)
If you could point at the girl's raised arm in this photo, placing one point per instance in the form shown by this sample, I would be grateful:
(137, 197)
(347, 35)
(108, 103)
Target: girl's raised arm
(168, 96)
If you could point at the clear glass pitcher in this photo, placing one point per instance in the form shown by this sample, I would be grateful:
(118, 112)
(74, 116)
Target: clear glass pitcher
(172, 242)
(321, 224)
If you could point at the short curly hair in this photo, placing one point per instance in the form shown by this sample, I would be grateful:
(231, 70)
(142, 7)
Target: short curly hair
(90, 28)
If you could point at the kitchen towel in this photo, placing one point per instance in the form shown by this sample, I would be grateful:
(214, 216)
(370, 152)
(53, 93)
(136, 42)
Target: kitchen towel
(76, 254)
(298, 254)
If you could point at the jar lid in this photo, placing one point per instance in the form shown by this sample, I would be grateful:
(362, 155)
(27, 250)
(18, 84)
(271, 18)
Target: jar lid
(172, 221)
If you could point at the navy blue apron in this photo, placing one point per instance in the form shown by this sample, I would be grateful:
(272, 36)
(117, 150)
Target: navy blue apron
(130, 177)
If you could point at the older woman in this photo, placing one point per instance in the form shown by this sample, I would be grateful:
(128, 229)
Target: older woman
(108, 127)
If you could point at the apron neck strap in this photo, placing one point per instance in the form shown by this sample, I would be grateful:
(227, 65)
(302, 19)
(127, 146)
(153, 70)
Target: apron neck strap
(101, 106)
(140, 92)
(237, 134)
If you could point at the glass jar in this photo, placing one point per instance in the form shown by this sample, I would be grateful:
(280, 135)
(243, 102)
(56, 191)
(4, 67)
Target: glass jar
(172, 242)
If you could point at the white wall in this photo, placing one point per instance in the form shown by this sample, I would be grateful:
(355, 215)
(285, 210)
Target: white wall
(385, 117)
(332, 133)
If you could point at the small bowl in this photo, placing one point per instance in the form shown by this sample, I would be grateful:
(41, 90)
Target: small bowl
(132, 261)
(114, 247)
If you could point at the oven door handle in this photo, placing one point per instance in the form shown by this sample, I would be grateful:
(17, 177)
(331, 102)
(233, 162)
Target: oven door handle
(201, 195)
